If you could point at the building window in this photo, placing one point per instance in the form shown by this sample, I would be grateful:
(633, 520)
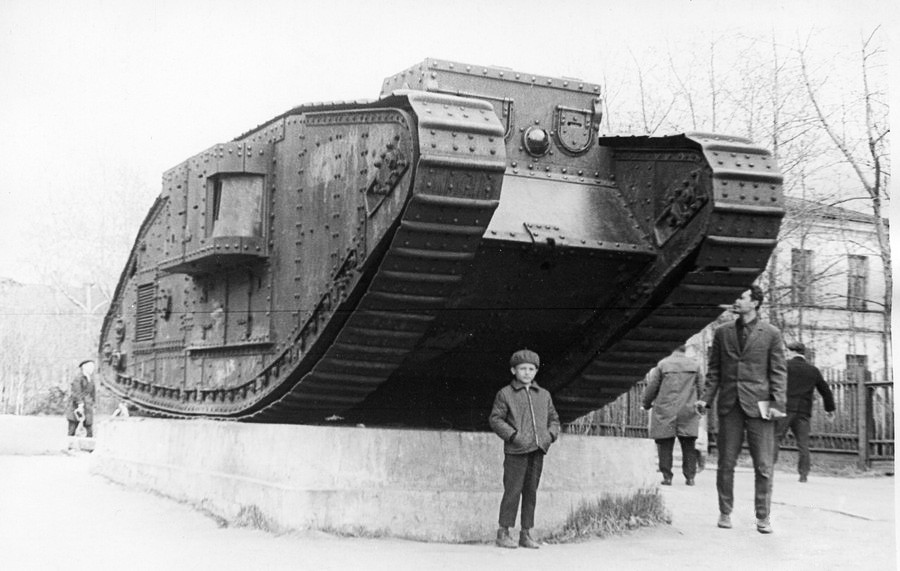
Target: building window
(857, 281)
(236, 202)
(858, 368)
(801, 277)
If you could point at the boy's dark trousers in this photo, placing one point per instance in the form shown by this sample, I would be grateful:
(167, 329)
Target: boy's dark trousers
(521, 476)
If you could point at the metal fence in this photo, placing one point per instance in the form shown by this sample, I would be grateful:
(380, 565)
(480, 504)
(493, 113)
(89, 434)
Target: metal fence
(863, 422)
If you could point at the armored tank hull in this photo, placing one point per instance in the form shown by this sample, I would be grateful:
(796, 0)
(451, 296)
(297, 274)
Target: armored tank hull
(378, 261)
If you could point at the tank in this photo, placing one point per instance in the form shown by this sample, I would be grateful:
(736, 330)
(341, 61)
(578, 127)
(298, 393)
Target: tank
(378, 261)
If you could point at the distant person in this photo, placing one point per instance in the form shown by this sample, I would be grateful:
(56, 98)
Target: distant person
(672, 390)
(802, 380)
(121, 410)
(748, 373)
(524, 417)
(80, 400)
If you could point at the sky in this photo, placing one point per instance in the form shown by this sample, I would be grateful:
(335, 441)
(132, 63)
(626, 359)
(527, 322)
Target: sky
(97, 95)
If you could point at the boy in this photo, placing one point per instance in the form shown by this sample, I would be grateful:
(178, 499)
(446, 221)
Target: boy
(524, 417)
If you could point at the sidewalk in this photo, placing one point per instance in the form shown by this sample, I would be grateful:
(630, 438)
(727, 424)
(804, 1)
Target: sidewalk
(55, 515)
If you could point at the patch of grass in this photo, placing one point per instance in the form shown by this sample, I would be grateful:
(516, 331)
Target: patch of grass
(613, 515)
(355, 531)
(253, 517)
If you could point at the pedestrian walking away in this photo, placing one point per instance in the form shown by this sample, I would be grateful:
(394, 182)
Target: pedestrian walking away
(802, 380)
(748, 377)
(524, 417)
(80, 400)
(673, 387)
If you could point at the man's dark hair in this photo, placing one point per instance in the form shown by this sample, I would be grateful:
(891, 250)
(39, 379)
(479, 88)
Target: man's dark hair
(756, 294)
(797, 347)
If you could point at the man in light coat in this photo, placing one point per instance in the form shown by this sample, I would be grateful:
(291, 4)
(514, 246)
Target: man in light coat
(672, 390)
(748, 373)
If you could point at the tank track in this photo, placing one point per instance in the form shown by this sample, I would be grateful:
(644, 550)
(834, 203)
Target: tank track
(461, 163)
(458, 180)
(713, 271)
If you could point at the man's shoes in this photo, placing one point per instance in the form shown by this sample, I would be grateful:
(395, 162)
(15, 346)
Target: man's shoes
(803, 478)
(525, 540)
(667, 481)
(764, 525)
(689, 482)
(724, 521)
(504, 539)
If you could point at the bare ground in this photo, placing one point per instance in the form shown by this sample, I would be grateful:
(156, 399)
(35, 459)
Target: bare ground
(55, 515)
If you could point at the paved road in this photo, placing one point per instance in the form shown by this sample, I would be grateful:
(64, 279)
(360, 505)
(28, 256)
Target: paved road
(55, 515)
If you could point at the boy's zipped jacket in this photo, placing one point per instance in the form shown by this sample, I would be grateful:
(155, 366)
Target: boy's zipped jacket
(524, 417)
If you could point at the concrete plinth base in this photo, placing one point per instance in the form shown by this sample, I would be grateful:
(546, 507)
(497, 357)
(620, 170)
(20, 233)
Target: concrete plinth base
(428, 485)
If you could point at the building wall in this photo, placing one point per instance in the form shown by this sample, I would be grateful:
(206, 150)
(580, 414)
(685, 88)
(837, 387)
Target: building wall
(826, 322)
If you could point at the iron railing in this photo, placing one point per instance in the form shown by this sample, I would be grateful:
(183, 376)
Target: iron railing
(868, 434)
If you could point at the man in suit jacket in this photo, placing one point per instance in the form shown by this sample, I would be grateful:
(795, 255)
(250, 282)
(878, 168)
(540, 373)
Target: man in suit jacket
(803, 379)
(746, 368)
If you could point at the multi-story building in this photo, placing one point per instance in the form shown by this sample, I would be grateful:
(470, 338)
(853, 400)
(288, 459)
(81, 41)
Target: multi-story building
(826, 287)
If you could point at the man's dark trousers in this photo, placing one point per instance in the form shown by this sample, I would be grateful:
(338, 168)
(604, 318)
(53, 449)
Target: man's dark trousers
(521, 476)
(664, 448)
(799, 425)
(761, 442)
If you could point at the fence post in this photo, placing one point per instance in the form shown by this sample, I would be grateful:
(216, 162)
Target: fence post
(863, 414)
(623, 419)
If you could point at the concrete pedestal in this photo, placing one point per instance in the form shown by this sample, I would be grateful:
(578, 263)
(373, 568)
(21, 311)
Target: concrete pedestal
(427, 485)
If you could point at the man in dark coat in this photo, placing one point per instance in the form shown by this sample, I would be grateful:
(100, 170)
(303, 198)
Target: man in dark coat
(524, 417)
(672, 389)
(803, 379)
(748, 373)
(80, 400)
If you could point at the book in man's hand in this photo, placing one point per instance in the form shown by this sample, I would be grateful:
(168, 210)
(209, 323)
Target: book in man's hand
(768, 411)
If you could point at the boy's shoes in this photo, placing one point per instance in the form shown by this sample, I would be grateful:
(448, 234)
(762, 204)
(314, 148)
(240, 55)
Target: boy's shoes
(764, 525)
(724, 521)
(667, 481)
(689, 481)
(525, 540)
(803, 477)
(504, 539)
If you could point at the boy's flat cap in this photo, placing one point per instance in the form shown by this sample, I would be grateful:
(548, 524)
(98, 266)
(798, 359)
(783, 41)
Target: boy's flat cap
(524, 356)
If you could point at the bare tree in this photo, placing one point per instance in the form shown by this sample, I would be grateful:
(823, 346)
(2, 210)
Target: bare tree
(866, 153)
(46, 329)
